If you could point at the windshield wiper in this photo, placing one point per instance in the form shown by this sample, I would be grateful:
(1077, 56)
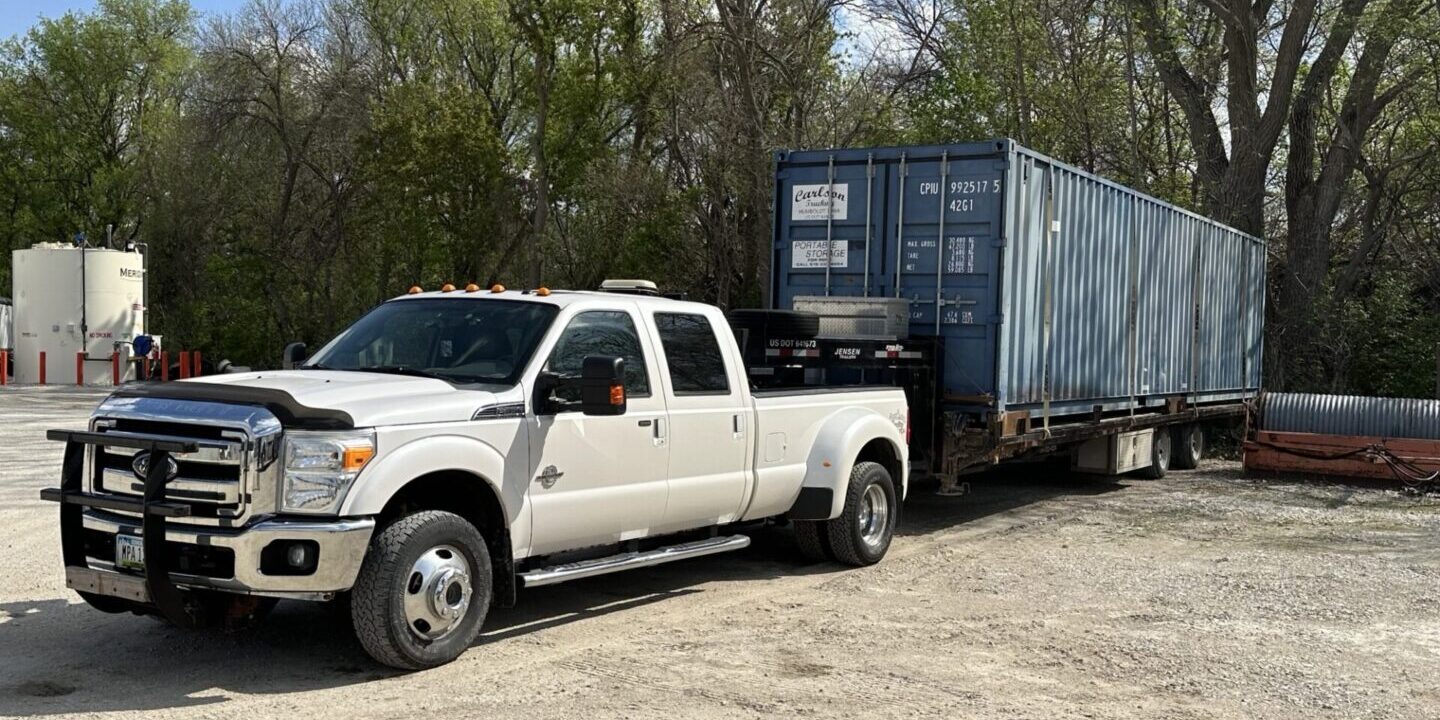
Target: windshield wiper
(402, 370)
(313, 366)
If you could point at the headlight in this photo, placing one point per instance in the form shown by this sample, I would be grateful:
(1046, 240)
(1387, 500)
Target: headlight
(319, 468)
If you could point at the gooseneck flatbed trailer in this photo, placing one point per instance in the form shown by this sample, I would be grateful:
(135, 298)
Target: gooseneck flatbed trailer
(1028, 307)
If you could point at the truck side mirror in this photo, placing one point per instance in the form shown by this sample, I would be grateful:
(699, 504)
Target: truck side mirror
(602, 385)
(292, 355)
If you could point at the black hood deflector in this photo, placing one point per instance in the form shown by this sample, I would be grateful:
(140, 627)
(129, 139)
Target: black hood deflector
(282, 404)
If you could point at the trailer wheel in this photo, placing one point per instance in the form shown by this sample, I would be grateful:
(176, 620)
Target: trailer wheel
(862, 533)
(1159, 457)
(811, 537)
(1189, 446)
(423, 591)
(778, 323)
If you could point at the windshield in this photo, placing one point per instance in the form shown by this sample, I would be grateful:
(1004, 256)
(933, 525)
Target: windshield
(461, 340)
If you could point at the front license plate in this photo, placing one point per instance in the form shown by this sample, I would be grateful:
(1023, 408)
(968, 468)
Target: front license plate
(130, 552)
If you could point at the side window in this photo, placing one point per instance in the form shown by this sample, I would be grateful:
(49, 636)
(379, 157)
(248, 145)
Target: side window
(692, 354)
(600, 332)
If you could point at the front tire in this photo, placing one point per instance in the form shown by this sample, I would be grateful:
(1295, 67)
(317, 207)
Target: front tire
(862, 533)
(423, 591)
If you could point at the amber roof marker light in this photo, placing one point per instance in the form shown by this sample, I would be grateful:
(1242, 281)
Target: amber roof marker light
(472, 287)
(447, 287)
(542, 291)
(415, 290)
(497, 288)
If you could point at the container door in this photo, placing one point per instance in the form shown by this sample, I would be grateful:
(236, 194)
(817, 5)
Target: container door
(946, 213)
(836, 201)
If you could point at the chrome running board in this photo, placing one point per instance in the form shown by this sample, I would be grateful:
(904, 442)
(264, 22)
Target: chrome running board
(630, 561)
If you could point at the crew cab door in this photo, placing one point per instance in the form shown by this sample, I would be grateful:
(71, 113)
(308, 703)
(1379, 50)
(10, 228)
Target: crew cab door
(599, 479)
(710, 419)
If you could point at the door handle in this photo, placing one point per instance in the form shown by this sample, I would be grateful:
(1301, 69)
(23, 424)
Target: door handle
(659, 435)
(737, 425)
(644, 423)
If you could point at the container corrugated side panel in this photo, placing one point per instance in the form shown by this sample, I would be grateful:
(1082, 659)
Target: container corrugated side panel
(1351, 415)
(1089, 349)
(1021, 338)
(1164, 249)
(1100, 313)
(1195, 289)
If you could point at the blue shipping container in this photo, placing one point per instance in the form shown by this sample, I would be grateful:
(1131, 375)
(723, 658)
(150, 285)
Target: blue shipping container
(1052, 290)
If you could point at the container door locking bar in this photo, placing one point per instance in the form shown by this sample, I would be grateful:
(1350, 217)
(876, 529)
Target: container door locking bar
(154, 510)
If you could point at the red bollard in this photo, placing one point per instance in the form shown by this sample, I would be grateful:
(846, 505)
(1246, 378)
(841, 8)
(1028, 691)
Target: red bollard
(195, 356)
(4, 367)
(80, 368)
(115, 368)
(164, 366)
(184, 364)
(42, 367)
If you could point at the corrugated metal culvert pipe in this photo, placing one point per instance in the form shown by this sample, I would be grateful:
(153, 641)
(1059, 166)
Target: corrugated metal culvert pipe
(1347, 436)
(1351, 415)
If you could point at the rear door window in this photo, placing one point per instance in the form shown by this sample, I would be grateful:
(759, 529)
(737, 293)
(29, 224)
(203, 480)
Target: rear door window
(692, 354)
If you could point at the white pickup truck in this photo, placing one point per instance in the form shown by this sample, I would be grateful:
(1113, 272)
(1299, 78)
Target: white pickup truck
(452, 447)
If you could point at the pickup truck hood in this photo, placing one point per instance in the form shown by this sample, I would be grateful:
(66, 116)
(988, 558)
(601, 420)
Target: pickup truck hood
(372, 399)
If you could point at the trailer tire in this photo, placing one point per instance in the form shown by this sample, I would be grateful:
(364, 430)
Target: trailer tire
(1160, 453)
(811, 537)
(776, 323)
(425, 565)
(862, 533)
(1188, 446)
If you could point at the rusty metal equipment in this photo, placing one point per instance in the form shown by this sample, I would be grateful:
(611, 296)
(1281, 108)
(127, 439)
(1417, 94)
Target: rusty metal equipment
(1346, 436)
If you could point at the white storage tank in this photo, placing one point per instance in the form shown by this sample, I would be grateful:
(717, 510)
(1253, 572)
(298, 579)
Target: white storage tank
(7, 332)
(67, 301)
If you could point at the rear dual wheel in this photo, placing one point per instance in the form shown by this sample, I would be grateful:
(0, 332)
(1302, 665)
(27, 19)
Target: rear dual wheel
(862, 534)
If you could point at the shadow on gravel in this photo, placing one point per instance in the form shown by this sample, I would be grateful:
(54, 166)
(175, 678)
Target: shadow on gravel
(998, 491)
(61, 656)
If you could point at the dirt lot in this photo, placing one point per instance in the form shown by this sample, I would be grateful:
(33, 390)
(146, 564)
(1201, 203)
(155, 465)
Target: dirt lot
(1038, 596)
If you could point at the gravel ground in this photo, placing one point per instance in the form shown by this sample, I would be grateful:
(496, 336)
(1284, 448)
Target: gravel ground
(1037, 596)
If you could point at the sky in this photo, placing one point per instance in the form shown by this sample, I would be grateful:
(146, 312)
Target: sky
(16, 16)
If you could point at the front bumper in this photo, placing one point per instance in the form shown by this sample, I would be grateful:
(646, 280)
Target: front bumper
(179, 557)
(340, 543)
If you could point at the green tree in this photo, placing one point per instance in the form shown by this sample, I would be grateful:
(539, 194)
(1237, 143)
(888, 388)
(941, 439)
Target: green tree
(85, 102)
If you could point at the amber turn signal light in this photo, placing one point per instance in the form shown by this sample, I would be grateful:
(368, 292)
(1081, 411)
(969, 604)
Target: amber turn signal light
(356, 457)
(617, 394)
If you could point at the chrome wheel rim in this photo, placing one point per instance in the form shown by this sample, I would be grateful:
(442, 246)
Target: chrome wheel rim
(874, 516)
(437, 592)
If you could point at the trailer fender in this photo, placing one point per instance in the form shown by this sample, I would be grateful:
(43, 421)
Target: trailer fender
(837, 448)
